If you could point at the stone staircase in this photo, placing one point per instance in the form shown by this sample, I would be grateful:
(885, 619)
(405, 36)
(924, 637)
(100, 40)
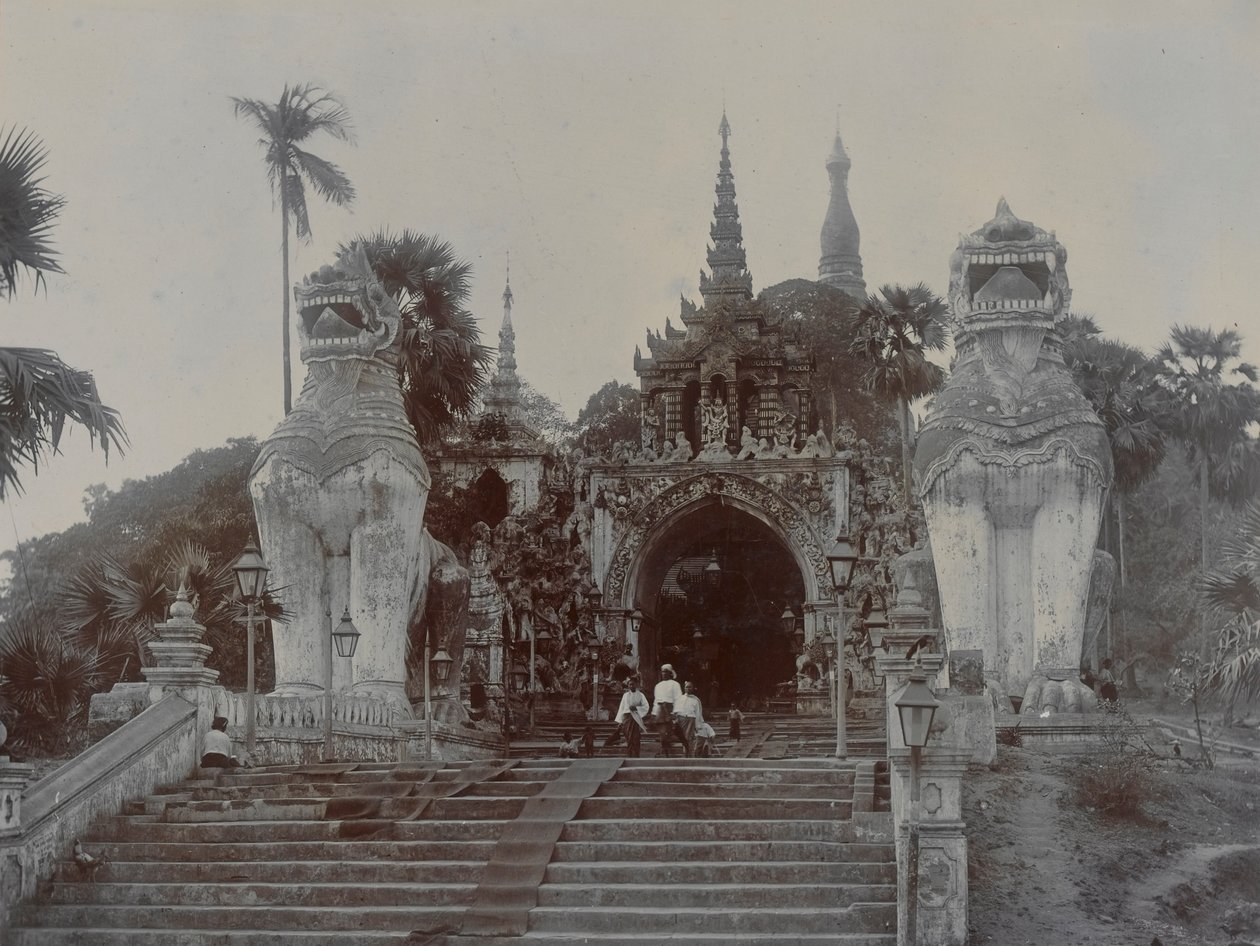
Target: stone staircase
(691, 851)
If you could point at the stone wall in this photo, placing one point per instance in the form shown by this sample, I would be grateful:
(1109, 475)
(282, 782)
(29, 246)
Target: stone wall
(156, 748)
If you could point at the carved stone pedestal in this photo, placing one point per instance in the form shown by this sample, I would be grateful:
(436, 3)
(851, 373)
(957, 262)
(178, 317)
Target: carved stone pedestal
(942, 887)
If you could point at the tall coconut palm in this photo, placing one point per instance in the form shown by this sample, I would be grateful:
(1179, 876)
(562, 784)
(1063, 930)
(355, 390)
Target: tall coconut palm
(38, 391)
(443, 363)
(895, 327)
(1209, 402)
(302, 111)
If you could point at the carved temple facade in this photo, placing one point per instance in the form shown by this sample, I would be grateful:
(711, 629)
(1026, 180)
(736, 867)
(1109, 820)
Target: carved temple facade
(730, 377)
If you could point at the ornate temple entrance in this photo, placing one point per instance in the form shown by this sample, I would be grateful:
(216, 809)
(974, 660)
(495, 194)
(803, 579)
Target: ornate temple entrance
(711, 557)
(724, 581)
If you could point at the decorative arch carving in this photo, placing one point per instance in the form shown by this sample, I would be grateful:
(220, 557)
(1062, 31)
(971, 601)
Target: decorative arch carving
(772, 508)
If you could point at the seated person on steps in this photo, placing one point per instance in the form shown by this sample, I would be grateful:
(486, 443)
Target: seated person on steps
(217, 753)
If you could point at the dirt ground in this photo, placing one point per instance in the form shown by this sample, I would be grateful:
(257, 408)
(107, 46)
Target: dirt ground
(1047, 868)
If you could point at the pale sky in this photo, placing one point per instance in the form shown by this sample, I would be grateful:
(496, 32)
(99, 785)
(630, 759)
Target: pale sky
(582, 138)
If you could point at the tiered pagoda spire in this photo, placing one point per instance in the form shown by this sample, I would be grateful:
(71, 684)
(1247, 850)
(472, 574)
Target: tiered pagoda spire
(727, 260)
(504, 396)
(841, 262)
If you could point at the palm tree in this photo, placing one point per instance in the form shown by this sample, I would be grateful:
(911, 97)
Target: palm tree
(443, 364)
(38, 391)
(1232, 589)
(301, 111)
(893, 332)
(1209, 402)
(1118, 381)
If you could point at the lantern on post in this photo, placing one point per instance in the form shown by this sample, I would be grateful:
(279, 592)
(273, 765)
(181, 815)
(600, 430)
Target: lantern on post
(787, 621)
(441, 662)
(842, 557)
(345, 638)
(251, 578)
(916, 706)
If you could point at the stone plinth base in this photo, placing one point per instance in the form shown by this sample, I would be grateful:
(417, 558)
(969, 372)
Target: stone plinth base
(1060, 729)
(813, 703)
(971, 725)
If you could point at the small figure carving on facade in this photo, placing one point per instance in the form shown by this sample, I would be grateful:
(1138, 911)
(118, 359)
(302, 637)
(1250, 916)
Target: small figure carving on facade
(716, 422)
(651, 425)
(809, 449)
(682, 452)
(784, 433)
(846, 437)
(825, 450)
(764, 450)
(747, 445)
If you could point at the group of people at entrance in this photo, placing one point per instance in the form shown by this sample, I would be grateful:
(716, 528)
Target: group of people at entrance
(676, 714)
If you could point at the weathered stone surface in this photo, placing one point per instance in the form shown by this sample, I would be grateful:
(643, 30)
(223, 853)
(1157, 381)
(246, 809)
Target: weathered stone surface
(1012, 462)
(340, 490)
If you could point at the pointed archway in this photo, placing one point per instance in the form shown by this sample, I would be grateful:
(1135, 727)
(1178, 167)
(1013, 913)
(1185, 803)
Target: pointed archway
(715, 583)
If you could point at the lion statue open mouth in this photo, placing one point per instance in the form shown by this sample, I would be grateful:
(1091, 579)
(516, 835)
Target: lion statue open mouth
(1013, 465)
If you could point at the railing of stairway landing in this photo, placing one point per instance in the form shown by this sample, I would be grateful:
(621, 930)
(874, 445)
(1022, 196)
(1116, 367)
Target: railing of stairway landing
(157, 747)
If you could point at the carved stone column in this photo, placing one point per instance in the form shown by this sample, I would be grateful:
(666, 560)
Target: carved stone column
(942, 899)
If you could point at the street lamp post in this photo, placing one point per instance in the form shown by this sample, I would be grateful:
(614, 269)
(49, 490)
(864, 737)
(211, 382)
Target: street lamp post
(842, 556)
(251, 578)
(915, 708)
(439, 665)
(345, 639)
(592, 652)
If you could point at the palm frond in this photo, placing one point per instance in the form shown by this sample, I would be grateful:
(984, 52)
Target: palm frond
(27, 211)
(329, 181)
(39, 393)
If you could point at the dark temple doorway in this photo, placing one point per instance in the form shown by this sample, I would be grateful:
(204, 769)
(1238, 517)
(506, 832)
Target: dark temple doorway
(724, 579)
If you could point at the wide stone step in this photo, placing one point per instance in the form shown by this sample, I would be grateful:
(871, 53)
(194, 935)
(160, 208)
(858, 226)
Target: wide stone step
(676, 896)
(734, 872)
(341, 894)
(45, 936)
(747, 831)
(264, 917)
(120, 830)
(149, 937)
(444, 850)
(290, 872)
(717, 852)
(857, 918)
(725, 789)
(682, 807)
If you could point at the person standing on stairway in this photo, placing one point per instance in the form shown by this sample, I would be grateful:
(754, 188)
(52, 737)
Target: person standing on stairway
(689, 715)
(665, 696)
(629, 718)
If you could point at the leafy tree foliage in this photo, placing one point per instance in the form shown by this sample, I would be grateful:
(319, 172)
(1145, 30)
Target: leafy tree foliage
(894, 329)
(1210, 402)
(46, 682)
(1232, 591)
(39, 392)
(546, 416)
(443, 364)
(611, 416)
(820, 318)
(300, 112)
(105, 582)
